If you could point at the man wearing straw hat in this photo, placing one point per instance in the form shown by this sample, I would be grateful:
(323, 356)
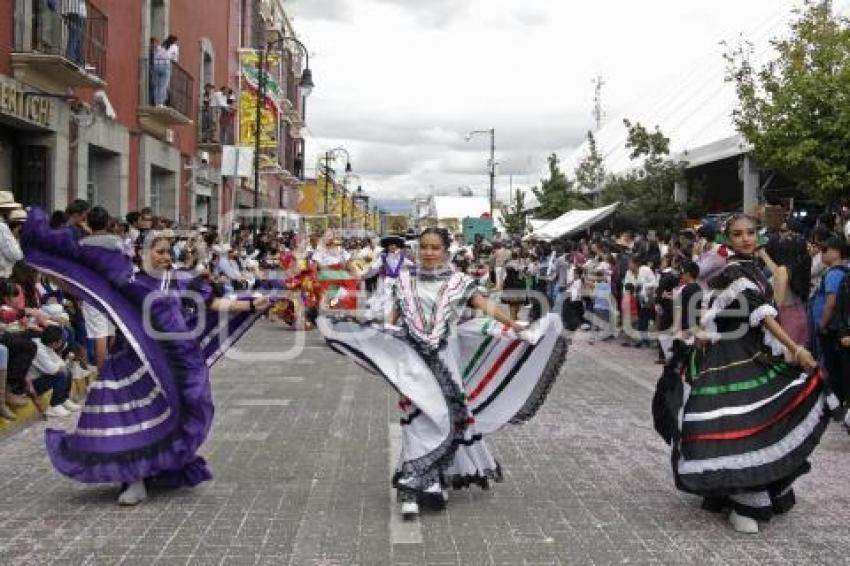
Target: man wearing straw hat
(10, 249)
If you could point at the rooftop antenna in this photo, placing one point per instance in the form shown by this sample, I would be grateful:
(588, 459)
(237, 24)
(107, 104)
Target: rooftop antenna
(598, 113)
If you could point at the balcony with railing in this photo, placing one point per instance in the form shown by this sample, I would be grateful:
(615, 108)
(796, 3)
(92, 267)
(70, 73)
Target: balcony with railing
(60, 44)
(166, 95)
(217, 121)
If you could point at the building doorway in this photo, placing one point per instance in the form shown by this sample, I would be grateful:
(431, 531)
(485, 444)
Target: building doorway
(104, 179)
(30, 175)
(163, 194)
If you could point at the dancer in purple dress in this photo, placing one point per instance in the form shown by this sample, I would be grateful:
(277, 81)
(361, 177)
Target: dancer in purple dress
(151, 407)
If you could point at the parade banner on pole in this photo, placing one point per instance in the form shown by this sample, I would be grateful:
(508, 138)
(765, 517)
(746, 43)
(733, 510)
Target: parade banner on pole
(249, 60)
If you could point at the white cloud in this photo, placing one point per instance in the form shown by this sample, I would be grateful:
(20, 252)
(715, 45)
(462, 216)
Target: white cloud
(331, 10)
(431, 13)
(441, 136)
(399, 82)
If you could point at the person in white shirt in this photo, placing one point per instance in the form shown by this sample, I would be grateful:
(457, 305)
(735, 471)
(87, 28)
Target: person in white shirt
(49, 372)
(642, 277)
(331, 254)
(218, 104)
(75, 14)
(99, 328)
(573, 306)
(164, 56)
(230, 267)
(10, 248)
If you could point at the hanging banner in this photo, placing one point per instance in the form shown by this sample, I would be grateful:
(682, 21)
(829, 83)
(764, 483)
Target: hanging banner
(270, 112)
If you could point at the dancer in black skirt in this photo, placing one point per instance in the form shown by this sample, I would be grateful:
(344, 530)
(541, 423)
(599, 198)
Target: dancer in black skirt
(754, 408)
(514, 293)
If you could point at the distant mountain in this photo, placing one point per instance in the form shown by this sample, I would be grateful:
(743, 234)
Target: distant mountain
(396, 206)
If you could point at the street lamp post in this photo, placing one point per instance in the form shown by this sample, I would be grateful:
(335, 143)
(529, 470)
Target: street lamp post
(306, 85)
(363, 199)
(492, 132)
(330, 155)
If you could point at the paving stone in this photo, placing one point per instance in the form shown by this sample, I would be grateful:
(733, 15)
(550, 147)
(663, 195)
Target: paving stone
(305, 481)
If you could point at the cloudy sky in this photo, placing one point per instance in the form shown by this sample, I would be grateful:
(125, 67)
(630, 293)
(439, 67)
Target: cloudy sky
(399, 82)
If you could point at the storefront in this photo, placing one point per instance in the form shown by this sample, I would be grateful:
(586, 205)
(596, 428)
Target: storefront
(159, 177)
(206, 205)
(28, 144)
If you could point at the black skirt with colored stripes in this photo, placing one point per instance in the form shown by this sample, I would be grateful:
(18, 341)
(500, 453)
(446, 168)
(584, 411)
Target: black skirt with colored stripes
(748, 420)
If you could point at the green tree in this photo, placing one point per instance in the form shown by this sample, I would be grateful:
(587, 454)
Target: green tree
(557, 194)
(590, 173)
(646, 192)
(795, 110)
(513, 216)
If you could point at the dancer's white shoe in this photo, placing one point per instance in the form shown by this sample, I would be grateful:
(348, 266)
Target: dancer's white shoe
(745, 525)
(134, 494)
(409, 510)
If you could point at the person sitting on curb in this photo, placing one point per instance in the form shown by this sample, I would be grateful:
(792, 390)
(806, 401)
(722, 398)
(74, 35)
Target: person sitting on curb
(49, 371)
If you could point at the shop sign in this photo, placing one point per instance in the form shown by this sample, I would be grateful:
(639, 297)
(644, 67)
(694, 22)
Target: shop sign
(34, 109)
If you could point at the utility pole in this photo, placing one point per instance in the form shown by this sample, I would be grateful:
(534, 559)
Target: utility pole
(492, 168)
(261, 101)
(598, 112)
(327, 161)
(492, 132)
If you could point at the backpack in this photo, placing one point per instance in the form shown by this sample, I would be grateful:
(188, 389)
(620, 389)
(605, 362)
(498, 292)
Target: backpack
(842, 298)
(841, 319)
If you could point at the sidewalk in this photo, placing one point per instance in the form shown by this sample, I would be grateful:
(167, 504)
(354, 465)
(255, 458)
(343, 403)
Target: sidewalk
(28, 413)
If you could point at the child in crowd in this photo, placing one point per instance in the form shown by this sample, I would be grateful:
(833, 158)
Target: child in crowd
(49, 371)
(602, 307)
(573, 305)
(630, 309)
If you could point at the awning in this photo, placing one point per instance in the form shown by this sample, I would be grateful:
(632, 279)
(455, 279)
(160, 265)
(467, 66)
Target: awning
(572, 222)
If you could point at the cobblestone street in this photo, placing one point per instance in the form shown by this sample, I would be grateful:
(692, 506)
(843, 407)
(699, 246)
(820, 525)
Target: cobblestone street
(302, 450)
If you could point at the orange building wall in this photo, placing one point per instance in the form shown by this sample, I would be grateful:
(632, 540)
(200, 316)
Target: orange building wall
(191, 22)
(122, 76)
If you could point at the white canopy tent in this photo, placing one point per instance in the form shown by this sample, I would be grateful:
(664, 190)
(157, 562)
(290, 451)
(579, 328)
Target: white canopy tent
(537, 224)
(572, 222)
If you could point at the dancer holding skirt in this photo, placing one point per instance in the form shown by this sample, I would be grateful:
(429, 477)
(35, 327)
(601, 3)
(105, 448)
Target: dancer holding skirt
(151, 407)
(751, 407)
(459, 379)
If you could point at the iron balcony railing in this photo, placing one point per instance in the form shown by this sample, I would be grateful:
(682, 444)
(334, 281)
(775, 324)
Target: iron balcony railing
(178, 86)
(216, 124)
(72, 29)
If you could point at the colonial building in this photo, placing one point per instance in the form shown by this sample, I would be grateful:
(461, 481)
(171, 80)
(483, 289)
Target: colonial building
(80, 116)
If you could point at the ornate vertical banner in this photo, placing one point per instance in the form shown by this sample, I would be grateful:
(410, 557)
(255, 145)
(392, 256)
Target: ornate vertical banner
(250, 75)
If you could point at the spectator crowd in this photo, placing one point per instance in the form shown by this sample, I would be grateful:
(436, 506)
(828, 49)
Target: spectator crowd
(49, 338)
(644, 290)
(647, 290)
